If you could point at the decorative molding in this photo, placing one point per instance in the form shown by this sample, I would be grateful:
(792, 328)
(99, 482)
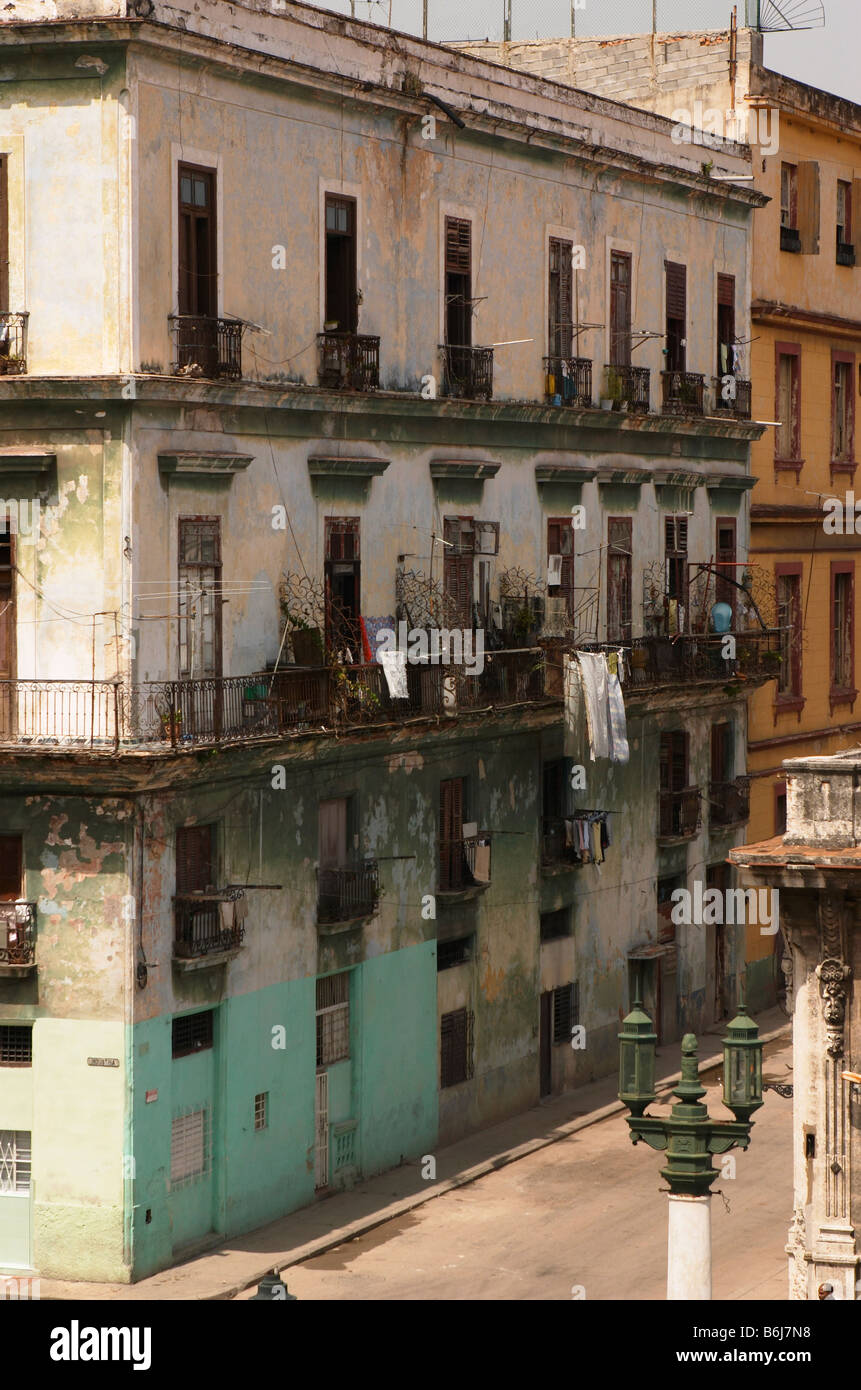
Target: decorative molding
(563, 473)
(473, 469)
(35, 461)
(832, 971)
(731, 482)
(666, 478)
(195, 465)
(623, 477)
(336, 466)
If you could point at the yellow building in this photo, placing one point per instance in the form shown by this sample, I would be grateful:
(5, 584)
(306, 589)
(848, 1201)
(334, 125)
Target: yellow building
(806, 326)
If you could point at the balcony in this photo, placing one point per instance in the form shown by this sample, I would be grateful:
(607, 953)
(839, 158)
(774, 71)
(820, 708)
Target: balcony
(17, 939)
(628, 388)
(467, 372)
(657, 661)
(737, 401)
(790, 240)
(13, 344)
(348, 361)
(558, 847)
(682, 393)
(568, 381)
(347, 894)
(206, 347)
(729, 802)
(208, 927)
(104, 716)
(845, 253)
(464, 865)
(679, 814)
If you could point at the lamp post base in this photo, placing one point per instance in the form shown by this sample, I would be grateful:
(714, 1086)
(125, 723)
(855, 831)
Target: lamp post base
(689, 1248)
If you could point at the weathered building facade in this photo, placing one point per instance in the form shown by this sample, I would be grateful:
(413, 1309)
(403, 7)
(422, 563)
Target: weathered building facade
(325, 349)
(814, 868)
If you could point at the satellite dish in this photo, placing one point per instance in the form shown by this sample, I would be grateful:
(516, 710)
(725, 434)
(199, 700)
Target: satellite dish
(776, 16)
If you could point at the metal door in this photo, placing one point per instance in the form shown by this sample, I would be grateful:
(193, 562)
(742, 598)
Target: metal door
(321, 1130)
(16, 1192)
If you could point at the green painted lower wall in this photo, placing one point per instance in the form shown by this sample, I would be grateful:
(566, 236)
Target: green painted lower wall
(388, 1087)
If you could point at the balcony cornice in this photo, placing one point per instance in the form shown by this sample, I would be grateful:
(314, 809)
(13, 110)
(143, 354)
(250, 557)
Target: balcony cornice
(332, 466)
(193, 465)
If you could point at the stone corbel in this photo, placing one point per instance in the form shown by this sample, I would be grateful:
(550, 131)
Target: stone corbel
(832, 971)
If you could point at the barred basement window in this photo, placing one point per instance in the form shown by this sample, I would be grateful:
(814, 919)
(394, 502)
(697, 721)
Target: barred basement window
(566, 1011)
(455, 1031)
(333, 1019)
(190, 1146)
(261, 1108)
(15, 1161)
(449, 953)
(555, 924)
(16, 1045)
(192, 1033)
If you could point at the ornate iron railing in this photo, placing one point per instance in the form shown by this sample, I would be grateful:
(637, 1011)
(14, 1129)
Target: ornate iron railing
(738, 404)
(464, 863)
(467, 371)
(207, 347)
(62, 713)
(629, 386)
(348, 361)
(682, 393)
(347, 893)
(17, 934)
(729, 802)
(13, 344)
(679, 813)
(568, 380)
(207, 922)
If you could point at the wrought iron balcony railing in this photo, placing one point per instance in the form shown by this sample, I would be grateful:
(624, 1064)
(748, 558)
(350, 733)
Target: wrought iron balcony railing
(348, 893)
(467, 372)
(17, 935)
(628, 387)
(661, 660)
(13, 344)
(464, 863)
(729, 802)
(678, 813)
(559, 842)
(682, 393)
(348, 361)
(790, 239)
(568, 381)
(205, 923)
(206, 347)
(845, 253)
(733, 396)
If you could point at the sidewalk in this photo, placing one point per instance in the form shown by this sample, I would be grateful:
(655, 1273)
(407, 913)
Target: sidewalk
(227, 1269)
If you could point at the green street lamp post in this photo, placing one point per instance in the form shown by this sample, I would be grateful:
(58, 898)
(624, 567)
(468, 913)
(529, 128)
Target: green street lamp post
(688, 1135)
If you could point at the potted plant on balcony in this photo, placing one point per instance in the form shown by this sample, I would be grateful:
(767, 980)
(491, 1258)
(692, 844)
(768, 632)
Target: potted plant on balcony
(171, 723)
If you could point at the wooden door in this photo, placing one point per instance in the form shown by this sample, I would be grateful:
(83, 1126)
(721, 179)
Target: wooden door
(620, 308)
(333, 833)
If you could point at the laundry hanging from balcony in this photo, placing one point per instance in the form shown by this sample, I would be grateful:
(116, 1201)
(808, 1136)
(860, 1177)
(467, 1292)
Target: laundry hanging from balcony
(394, 666)
(593, 696)
(588, 835)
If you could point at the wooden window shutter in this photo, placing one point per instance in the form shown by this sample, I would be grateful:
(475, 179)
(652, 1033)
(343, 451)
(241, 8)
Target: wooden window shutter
(458, 246)
(808, 206)
(679, 769)
(619, 533)
(676, 534)
(665, 762)
(854, 205)
(10, 868)
(451, 808)
(677, 276)
(193, 859)
(726, 291)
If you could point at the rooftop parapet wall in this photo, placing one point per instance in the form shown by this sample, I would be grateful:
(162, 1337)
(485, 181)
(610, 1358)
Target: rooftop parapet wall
(823, 801)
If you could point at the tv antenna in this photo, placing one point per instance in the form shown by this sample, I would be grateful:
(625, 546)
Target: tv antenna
(776, 16)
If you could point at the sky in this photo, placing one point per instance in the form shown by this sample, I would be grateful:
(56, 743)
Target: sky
(825, 57)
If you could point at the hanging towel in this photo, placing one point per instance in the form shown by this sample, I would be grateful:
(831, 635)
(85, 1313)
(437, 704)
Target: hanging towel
(622, 666)
(576, 731)
(594, 676)
(618, 724)
(569, 834)
(394, 666)
(366, 646)
(554, 569)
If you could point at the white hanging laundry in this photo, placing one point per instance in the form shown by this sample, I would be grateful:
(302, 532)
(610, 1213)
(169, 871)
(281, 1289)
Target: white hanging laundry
(617, 722)
(594, 675)
(554, 569)
(394, 666)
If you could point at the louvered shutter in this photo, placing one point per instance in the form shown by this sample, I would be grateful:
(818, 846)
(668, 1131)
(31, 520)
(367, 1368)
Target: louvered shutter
(10, 868)
(458, 246)
(808, 206)
(676, 290)
(679, 771)
(193, 859)
(620, 308)
(726, 291)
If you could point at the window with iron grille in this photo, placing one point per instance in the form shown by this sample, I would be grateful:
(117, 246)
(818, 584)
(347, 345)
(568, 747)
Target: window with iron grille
(457, 952)
(566, 1011)
(199, 597)
(555, 924)
(190, 1146)
(455, 1032)
(15, 1161)
(261, 1109)
(16, 1045)
(192, 1033)
(333, 1019)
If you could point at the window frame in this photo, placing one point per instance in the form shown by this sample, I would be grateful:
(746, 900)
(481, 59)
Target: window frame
(794, 462)
(845, 462)
(565, 1012)
(842, 693)
(791, 203)
(449, 1075)
(793, 699)
(188, 301)
(620, 630)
